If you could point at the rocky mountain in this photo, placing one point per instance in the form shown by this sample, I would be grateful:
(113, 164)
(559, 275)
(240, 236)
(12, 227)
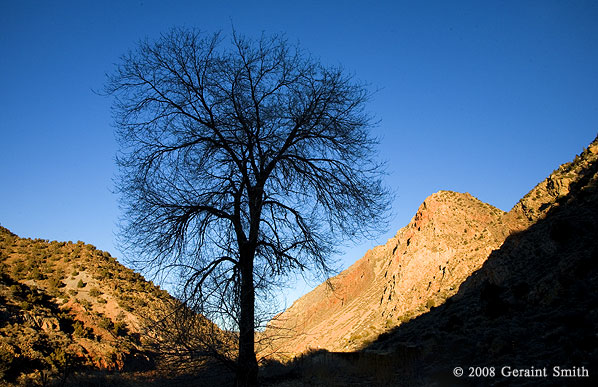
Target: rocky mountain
(464, 284)
(532, 304)
(455, 248)
(69, 308)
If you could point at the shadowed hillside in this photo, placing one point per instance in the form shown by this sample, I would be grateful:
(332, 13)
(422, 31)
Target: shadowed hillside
(533, 302)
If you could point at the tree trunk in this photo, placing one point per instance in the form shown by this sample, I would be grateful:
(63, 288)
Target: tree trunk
(247, 368)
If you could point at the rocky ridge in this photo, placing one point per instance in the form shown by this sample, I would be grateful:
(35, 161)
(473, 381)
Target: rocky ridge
(532, 303)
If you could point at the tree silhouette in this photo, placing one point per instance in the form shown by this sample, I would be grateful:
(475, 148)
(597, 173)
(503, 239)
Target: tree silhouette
(241, 162)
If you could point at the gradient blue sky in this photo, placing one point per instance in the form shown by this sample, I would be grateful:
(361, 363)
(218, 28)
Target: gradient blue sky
(481, 97)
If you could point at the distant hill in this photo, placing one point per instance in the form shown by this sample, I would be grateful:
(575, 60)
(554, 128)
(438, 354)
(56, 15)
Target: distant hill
(465, 284)
(67, 308)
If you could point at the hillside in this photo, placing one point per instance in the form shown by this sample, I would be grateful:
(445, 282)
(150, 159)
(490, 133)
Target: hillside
(473, 265)
(532, 303)
(463, 284)
(69, 308)
(449, 238)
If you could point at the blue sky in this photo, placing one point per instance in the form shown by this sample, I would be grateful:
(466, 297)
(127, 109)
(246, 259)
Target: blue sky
(480, 97)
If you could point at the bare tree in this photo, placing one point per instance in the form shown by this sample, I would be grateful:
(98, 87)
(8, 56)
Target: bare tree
(241, 162)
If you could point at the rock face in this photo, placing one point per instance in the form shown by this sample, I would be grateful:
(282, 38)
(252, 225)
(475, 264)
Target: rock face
(450, 237)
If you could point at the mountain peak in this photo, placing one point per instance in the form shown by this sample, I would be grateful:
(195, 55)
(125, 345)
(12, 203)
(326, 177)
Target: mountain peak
(449, 238)
(423, 264)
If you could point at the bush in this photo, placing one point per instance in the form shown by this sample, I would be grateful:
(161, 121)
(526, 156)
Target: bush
(86, 304)
(120, 329)
(81, 284)
(18, 270)
(106, 323)
(125, 305)
(35, 274)
(16, 290)
(8, 354)
(35, 297)
(94, 292)
(56, 283)
(82, 331)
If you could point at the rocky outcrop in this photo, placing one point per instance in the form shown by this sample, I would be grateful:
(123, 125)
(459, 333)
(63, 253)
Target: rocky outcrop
(555, 188)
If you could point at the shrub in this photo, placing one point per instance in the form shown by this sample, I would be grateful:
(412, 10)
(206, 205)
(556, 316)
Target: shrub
(81, 284)
(35, 297)
(18, 270)
(120, 329)
(94, 292)
(82, 331)
(86, 304)
(125, 305)
(16, 290)
(406, 317)
(35, 274)
(56, 283)
(106, 323)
